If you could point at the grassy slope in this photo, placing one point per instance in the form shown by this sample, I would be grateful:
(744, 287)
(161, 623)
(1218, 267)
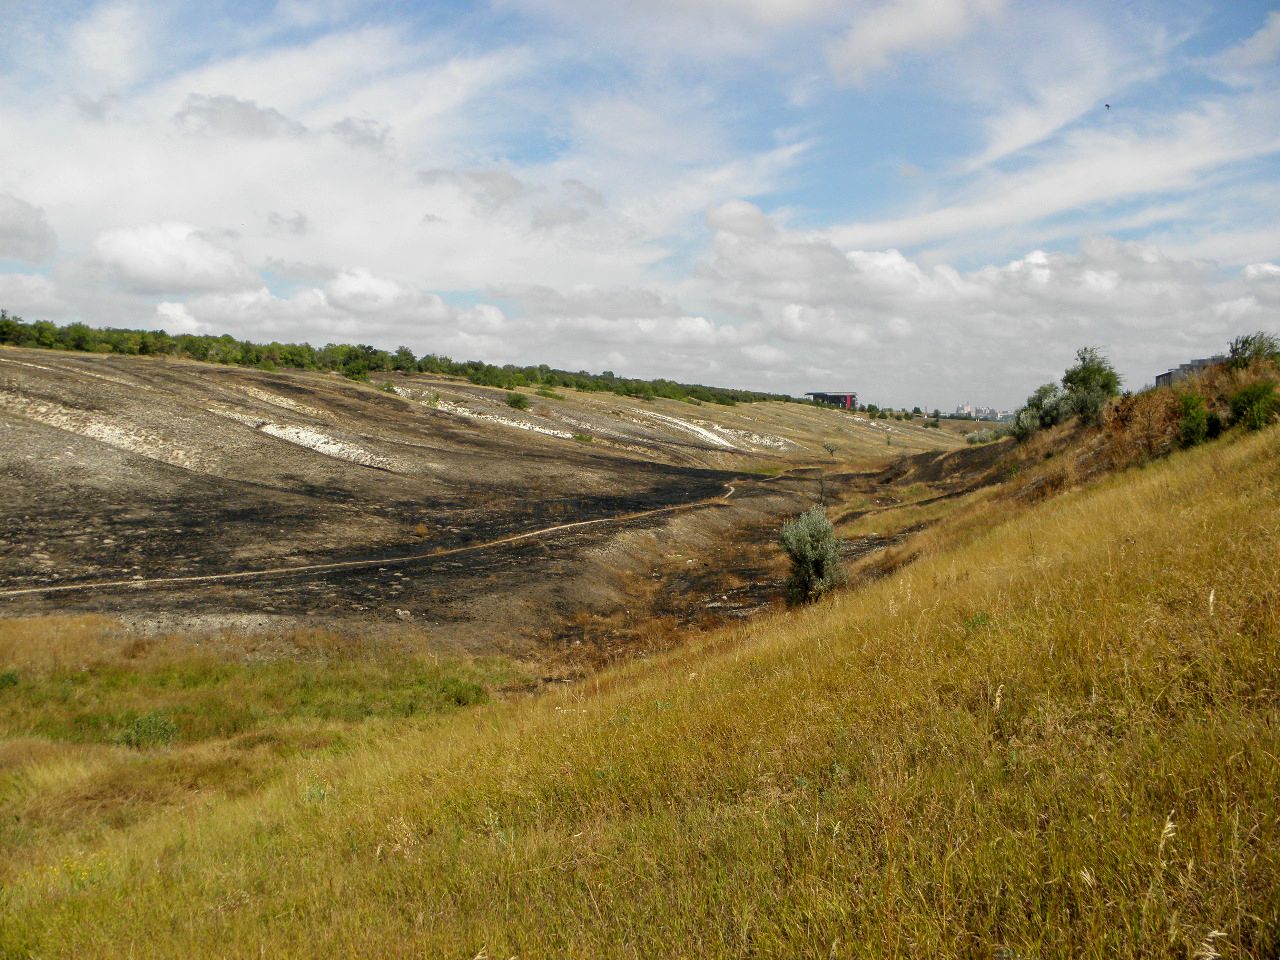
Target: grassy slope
(1054, 735)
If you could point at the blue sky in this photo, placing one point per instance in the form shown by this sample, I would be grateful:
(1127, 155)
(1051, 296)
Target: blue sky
(924, 200)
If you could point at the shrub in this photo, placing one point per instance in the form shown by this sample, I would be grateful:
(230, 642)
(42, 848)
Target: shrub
(1086, 388)
(148, 730)
(1193, 428)
(1044, 408)
(549, 393)
(1255, 405)
(584, 438)
(8, 678)
(517, 401)
(1246, 349)
(814, 549)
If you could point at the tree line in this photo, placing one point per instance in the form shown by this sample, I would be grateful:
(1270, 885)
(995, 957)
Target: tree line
(356, 361)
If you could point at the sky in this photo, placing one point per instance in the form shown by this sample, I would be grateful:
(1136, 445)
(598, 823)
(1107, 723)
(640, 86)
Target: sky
(927, 201)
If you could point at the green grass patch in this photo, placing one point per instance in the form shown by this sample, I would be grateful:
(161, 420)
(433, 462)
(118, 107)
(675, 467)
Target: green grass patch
(207, 697)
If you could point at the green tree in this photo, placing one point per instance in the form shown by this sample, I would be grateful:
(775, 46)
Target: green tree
(1250, 347)
(814, 549)
(1089, 385)
(404, 360)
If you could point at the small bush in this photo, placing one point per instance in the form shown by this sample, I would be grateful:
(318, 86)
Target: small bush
(387, 386)
(549, 394)
(1193, 428)
(814, 549)
(148, 730)
(584, 438)
(517, 401)
(1256, 405)
(8, 678)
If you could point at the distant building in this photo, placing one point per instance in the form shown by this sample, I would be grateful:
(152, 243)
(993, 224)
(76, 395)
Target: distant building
(981, 413)
(1184, 370)
(837, 398)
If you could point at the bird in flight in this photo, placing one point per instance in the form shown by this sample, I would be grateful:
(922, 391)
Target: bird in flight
(1107, 105)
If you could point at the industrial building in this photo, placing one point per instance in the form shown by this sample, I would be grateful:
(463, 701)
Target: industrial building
(837, 398)
(1184, 370)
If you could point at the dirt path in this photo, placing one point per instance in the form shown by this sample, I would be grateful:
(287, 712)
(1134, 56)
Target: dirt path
(730, 489)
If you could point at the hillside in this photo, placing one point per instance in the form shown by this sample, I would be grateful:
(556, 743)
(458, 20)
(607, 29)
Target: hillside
(1052, 734)
(200, 496)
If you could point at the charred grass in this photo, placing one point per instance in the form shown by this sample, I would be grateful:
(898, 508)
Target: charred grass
(1054, 734)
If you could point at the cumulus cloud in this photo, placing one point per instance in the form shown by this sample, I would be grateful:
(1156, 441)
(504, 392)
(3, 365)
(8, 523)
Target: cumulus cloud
(225, 115)
(25, 233)
(176, 318)
(1262, 271)
(354, 305)
(917, 331)
(31, 294)
(365, 133)
(161, 257)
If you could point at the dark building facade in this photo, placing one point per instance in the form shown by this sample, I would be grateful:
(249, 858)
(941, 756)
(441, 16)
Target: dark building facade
(837, 398)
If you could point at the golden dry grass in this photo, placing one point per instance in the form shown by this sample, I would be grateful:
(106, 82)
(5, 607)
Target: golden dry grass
(1054, 735)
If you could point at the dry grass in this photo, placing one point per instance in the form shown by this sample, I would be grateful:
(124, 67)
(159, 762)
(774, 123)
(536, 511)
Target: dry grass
(101, 728)
(1054, 735)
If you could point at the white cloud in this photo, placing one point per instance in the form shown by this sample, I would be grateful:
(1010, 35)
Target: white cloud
(355, 306)
(360, 292)
(1091, 167)
(112, 46)
(1262, 271)
(169, 256)
(907, 333)
(1241, 63)
(1033, 90)
(667, 28)
(176, 318)
(731, 216)
(901, 27)
(25, 233)
(224, 115)
(31, 294)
